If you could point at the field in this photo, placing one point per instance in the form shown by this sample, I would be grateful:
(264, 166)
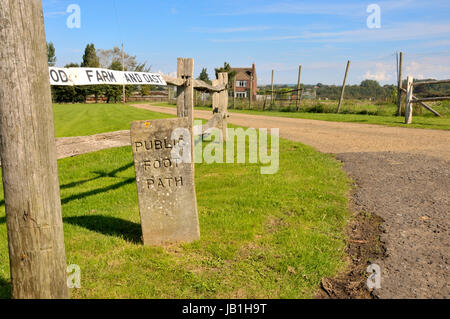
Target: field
(262, 236)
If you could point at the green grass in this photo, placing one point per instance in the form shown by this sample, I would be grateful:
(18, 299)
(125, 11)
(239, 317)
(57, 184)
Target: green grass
(262, 236)
(426, 121)
(88, 119)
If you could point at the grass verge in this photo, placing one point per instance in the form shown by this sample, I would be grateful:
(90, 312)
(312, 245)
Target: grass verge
(262, 236)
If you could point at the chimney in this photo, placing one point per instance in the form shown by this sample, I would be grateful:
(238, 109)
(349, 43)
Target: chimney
(254, 86)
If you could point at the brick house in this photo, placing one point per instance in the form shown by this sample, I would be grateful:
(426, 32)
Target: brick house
(242, 81)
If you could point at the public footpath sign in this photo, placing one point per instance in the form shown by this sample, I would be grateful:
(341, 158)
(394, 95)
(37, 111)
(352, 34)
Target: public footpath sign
(96, 76)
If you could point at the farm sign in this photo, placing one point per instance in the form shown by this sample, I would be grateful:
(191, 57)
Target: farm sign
(95, 76)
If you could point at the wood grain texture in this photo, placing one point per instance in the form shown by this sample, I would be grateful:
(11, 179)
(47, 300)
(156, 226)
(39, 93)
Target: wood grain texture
(223, 105)
(203, 86)
(429, 108)
(28, 155)
(297, 102)
(409, 97)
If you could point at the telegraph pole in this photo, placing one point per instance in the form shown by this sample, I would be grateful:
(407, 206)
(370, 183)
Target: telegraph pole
(123, 69)
(343, 87)
(298, 87)
(399, 85)
(28, 156)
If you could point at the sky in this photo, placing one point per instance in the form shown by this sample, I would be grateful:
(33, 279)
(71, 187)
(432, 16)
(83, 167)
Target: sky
(275, 35)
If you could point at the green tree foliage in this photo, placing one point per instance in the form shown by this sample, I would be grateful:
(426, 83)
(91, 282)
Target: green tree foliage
(69, 94)
(51, 54)
(204, 76)
(231, 74)
(90, 60)
(370, 84)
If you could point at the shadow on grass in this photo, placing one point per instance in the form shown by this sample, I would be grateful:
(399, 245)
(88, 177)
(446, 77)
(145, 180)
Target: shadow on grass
(97, 191)
(100, 174)
(110, 226)
(5, 289)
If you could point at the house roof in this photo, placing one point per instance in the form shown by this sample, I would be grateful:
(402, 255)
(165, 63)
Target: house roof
(242, 73)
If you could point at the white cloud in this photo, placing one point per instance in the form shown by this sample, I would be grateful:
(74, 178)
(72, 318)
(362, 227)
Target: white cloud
(429, 67)
(232, 30)
(400, 32)
(323, 8)
(380, 74)
(54, 14)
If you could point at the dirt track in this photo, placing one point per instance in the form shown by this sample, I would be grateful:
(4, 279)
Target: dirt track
(403, 176)
(336, 137)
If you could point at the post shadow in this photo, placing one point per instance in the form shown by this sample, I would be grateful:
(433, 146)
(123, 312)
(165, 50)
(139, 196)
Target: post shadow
(99, 174)
(107, 225)
(5, 289)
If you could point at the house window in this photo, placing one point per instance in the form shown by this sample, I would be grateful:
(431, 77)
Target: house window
(241, 95)
(241, 84)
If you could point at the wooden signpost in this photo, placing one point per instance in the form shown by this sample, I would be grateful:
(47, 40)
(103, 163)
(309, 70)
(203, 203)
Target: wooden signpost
(28, 155)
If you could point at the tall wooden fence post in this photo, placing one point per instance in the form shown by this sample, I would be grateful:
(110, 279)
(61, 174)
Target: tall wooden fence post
(297, 103)
(343, 87)
(409, 98)
(223, 105)
(28, 155)
(185, 93)
(399, 85)
(271, 98)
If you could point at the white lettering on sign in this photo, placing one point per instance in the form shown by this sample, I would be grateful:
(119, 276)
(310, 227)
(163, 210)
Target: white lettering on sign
(95, 76)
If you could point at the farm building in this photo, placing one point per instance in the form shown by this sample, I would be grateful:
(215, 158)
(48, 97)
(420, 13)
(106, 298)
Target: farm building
(244, 80)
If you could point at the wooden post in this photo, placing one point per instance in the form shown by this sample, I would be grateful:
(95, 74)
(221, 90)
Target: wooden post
(271, 100)
(297, 103)
(215, 96)
(409, 98)
(223, 105)
(124, 99)
(185, 93)
(343, 88)
(28, 155)
(399, 85)
(251, 92)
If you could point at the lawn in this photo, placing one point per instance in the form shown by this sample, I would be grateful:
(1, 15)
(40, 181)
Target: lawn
(426, 120)
(262, 236)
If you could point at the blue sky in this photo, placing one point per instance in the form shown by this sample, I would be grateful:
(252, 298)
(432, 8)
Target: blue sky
(279, 35)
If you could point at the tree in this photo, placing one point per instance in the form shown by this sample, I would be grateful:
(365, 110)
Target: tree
(51, 54)
(231, 74)
(69, 94)
(112, 59)
(90, 59)
(113, 92)
(204, 76)
(108, 57)
(370, 84)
